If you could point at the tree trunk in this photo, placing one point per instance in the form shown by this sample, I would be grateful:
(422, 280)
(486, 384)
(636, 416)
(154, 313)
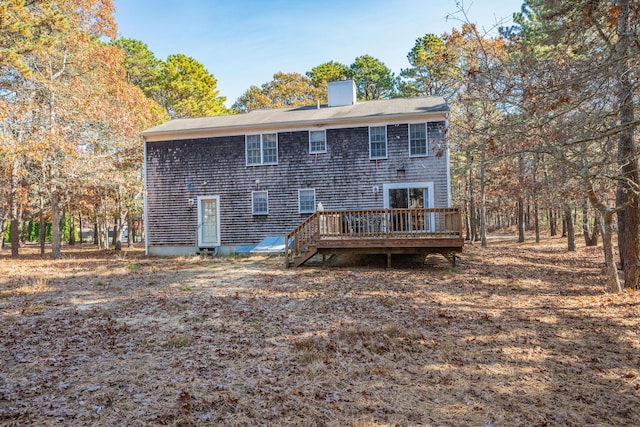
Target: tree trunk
(483, 207)
(56, 251)
(80, 231)
(521, 220)
(14, 231)
(117, 235)
(472, 211)
(629, 217)
(133, 235)
(43, 227)
(3, 229)
(467, 219)
(553, 224)
(130, 228)
(521, 213)
(607, 241)
(536, 219)
(590, 235)
(72, 231)
(609, 257)
(23, 229)
(14, 228)
(571, 232)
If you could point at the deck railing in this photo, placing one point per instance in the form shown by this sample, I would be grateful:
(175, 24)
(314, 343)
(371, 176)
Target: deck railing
(365, 224)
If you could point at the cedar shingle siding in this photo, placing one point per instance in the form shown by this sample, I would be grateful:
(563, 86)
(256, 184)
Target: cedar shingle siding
(343, 177)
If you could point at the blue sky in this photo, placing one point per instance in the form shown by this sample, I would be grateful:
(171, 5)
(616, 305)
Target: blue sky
(244, 42)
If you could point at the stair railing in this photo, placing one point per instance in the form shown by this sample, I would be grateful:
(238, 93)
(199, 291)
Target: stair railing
(303, 236)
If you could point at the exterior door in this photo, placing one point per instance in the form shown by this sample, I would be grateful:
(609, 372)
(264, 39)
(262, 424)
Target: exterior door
(410, 196)
(208, 221)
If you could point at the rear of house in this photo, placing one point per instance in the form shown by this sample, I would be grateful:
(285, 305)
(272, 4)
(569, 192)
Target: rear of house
(226, 183)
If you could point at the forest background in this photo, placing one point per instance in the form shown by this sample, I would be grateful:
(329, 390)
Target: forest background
(543, 122)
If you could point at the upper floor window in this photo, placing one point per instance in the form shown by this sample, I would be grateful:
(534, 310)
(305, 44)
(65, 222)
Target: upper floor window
(260, 202)
(378, 142)
(418, 145)
(307, 200)
(317, 141)
(423, 135)
(262, 149)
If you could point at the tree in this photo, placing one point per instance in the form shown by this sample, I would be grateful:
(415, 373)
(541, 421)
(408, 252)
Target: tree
(189, 90)
(143, 69)
(373, 79)
(434, 69)
(285, 90)
(70, 121)
(591, 46)
(324, 73)
(25, 28)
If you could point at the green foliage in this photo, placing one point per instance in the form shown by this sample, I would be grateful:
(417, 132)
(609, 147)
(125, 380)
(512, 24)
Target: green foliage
(182, 85)
(433, 70)
(143, 69)
(285, 90)
(25, 28)
(327, 72)
(189, 89)
(373, 79)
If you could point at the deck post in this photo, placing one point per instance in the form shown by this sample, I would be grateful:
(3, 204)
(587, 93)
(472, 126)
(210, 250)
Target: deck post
(388, 259)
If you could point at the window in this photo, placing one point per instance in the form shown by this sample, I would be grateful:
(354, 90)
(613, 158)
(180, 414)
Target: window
(307, 200)
(260, 202)
(317, 141)
(378, 142)
(262, 149)
(418, 139)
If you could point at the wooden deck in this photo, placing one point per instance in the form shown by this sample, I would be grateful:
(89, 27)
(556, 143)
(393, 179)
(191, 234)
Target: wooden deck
(383, 231)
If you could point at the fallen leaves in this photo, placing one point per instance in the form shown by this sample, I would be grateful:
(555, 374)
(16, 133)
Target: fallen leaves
(503, 339)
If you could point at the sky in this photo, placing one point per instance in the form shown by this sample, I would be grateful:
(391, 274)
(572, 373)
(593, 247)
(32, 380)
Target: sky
(245, 42)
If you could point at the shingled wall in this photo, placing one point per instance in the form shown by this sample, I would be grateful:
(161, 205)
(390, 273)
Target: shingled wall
(343, 177)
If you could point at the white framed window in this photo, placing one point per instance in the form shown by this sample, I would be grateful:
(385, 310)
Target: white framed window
(261, 149)
(307, 200)
(317, 141)
(418, 144)
(377, 142)
(260, 202)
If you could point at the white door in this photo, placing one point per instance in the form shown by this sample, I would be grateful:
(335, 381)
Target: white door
(208, 221)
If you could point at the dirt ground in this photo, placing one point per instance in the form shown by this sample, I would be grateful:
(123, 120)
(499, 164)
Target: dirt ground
(515, 335)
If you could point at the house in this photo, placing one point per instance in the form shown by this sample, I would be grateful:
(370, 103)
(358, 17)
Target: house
(226, 183)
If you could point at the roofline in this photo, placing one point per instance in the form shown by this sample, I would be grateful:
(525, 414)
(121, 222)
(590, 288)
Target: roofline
(205, 132)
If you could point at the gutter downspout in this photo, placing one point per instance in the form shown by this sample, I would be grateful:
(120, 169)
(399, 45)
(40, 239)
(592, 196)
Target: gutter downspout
(144, 197)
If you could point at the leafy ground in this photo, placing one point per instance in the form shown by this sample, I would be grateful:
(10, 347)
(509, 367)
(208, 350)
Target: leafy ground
(516, 335)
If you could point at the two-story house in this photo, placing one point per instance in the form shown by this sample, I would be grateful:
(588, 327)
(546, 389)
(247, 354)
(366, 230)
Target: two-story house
(230, 181)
